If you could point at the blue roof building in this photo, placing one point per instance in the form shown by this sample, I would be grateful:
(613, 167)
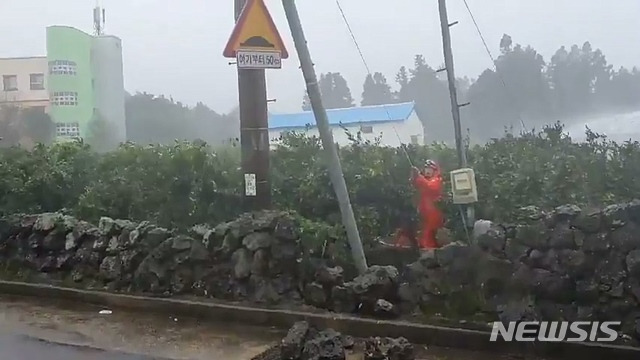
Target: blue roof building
(372, 122)
(355, 115)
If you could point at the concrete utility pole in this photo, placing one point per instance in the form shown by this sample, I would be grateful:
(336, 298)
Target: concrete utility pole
(455, 107)
(451, 77)
(330, 148)
(254, 132)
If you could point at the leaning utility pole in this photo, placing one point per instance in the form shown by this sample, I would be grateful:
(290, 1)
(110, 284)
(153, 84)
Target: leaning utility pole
(455, 106)
(330, 148)
(451, 78)
(254, 133)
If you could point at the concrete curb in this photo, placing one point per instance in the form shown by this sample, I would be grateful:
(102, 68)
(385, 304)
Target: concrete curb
(474, 340)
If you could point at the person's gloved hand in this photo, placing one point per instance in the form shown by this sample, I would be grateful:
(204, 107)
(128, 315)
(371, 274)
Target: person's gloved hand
(414, 172)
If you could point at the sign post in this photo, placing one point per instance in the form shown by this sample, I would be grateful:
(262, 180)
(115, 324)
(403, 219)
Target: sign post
(256, 45)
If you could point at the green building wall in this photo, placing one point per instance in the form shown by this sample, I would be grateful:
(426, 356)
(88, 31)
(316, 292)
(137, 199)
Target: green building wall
(70, 44)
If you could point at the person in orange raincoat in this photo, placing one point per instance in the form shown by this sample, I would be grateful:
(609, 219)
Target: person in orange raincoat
(428, 182)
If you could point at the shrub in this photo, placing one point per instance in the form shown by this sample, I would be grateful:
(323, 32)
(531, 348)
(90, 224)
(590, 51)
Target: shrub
(190, 183)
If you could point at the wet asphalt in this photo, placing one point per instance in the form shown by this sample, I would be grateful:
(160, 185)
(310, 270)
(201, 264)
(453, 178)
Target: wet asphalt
(46, 329)
(22, 347)
(40, 329)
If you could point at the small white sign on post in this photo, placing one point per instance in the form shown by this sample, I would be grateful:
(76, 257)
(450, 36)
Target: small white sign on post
(257, 59)
(250, 185)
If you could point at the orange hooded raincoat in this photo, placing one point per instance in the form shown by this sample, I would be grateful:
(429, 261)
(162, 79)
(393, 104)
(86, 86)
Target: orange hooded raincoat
(430, 190)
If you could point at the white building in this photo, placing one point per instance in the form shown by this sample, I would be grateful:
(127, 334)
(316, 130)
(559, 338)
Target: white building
(386, 122)
(108, 77)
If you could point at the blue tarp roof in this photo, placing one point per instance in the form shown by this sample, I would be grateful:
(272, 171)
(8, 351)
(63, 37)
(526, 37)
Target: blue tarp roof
(364, 114)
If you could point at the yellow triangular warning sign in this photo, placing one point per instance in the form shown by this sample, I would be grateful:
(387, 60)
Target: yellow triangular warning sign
(255, 30)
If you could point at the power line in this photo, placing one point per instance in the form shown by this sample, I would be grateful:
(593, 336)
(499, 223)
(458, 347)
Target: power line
(475, 23)
(364, 61)
(353, 36)
(493, 61)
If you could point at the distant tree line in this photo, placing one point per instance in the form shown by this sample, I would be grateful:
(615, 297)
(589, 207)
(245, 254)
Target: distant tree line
(523, 89)
(160, 120)
(150, 119)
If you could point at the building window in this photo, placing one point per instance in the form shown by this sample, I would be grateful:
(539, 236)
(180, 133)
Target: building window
(62, 67)
(36, 81)
(366, 129)
(67, 130)
(64, 98)
(415, 139)
(10, 82)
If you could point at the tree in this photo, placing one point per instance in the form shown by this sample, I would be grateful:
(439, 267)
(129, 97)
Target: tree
(488, 101)
(334, 90)
(402, 79)
(11, 128)
(431, 98)
(623, 91)
(505, 43)
(38, 125)
(517, 90)
(578, 79)
(100, 134)
(207, 125)
(376, 91)
(154, 119)
(306, 102)
(463, 84)
(25, 126)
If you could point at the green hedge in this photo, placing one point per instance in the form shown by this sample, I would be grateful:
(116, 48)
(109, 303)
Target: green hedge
(189, 183)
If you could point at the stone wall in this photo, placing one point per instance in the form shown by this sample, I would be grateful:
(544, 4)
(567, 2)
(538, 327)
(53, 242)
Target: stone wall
(564, 265)
(254, 258)
(567, 264)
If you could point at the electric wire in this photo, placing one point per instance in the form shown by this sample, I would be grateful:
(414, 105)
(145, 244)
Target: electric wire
(366, 65)
(493, 61)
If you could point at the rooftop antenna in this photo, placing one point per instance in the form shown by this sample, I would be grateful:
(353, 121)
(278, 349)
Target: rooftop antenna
(98, 19)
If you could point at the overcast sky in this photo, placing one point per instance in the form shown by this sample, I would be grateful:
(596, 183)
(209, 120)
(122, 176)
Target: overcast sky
(174, 47)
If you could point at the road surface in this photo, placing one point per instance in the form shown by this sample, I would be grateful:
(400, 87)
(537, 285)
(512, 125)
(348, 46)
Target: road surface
(21, 347)
(34, 329)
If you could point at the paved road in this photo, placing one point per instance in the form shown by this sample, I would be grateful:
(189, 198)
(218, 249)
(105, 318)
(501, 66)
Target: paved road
(23, 321)
(21, 347)
(34, 329)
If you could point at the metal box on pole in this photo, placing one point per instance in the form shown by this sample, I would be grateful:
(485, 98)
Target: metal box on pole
(463, 186)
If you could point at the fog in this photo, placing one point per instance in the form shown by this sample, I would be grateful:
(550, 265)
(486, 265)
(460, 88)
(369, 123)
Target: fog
(618, 127)
(175, 49)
